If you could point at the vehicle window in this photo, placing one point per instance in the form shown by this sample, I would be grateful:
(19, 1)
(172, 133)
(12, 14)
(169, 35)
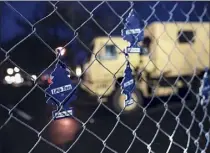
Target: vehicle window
(110, 53)
(186, 36)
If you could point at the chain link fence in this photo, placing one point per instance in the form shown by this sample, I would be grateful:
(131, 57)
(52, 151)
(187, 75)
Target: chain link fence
(167, 115)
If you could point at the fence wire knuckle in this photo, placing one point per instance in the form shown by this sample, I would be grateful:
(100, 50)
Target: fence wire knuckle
(157, 96)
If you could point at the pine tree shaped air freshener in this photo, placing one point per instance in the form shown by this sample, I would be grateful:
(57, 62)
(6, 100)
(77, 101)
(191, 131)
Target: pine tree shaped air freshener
(62, 90)
(128, 85)
(205, 89)
(133, 34)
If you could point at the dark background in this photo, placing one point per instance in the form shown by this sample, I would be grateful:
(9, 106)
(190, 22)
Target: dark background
(33, 56)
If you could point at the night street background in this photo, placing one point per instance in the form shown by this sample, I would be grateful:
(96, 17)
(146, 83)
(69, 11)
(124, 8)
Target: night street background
(19, 135)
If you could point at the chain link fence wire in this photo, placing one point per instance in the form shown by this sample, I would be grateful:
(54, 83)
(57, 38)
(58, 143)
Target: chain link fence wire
(173, 123)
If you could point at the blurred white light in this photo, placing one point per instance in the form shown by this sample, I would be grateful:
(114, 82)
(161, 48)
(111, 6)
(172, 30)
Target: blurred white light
(34, 77)
(61, 50)
(10, 71)
(17, 75)
(69, 76)
(16, 69)
(12, 79)
(8, 79)
(17, 78)
(78, 71)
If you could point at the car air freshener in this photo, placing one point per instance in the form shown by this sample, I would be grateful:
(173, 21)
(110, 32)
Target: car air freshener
(61, 91)
(128, 85)
(204, 90)
(133, 34)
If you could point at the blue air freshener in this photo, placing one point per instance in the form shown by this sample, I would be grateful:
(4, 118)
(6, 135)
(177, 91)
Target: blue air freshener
(132, 33)
(204, 90)
(62, 90)
(128, 85)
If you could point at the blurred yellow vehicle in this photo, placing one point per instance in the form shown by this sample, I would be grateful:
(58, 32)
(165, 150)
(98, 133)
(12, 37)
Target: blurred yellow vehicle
(177, 52)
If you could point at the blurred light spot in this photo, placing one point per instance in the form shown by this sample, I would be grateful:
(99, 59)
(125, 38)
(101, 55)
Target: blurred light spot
(17, 75)
(8, 79)
(12, 79)
(16, 69)
(34, 77)
(18, 79)
(49, 80)
(10, 71)
(78, 71)
(61, 50)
